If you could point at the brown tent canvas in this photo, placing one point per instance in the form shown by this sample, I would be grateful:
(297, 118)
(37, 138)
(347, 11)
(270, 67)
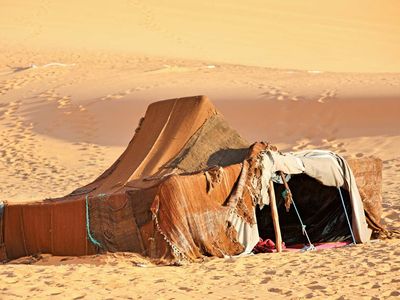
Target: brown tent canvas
(189, 186)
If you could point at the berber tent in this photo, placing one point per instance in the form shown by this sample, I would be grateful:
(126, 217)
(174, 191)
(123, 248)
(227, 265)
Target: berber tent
(189, 186)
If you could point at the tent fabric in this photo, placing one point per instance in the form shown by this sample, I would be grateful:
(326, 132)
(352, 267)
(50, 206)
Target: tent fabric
(186, 186)
(369, 182)
(333, 170)
(57, 227)
(195, 221)
(247, 234)
(178, 135)
(325, 220)
(213, 144)
(328, 168)
(113, 223)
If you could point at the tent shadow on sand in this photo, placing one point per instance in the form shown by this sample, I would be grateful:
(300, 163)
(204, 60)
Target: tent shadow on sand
(189, 186)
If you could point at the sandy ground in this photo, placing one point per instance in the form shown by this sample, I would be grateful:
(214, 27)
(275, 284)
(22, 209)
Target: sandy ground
(73, 87)
(66, 120)
(344, 35)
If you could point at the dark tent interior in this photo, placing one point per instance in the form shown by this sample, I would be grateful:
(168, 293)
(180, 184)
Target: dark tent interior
(319, 207)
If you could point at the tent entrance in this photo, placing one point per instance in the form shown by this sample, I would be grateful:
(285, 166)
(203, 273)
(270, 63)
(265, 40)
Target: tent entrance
(319, 206)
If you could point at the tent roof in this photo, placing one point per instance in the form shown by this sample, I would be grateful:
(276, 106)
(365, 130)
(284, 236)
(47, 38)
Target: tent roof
(181, 135)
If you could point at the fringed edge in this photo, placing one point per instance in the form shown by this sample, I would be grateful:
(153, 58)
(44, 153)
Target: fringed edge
(233, 211)
(178, 254)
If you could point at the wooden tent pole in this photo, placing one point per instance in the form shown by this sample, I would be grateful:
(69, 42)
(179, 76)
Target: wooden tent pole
(275, 217)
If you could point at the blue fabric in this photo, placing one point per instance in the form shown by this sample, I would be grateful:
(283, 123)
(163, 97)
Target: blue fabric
(284, 193)
(91, 238)
(2, 205)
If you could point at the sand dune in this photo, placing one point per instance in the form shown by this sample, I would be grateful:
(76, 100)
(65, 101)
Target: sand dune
(314, 35)
(76, 76)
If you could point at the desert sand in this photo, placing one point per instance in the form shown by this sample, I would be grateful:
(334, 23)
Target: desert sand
(76, 78)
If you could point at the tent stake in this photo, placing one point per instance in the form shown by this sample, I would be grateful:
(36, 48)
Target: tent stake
(275, 217)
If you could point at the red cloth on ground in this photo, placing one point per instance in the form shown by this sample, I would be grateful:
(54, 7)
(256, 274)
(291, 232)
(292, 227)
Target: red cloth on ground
(267, 246)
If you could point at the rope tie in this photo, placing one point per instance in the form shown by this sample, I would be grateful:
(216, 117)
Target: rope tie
(287, 195)
(303, 229)
(347, 216)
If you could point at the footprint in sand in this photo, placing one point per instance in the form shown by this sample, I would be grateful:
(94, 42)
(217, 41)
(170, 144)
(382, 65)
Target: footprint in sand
(276, 93)
(149, 22)
(12, 84)
(18, 80)
(113, 96)
(49, 95)
(302, 144)
(327, 95)
(296, 98)
(23, 156)
(119, 95)
(64, 102)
